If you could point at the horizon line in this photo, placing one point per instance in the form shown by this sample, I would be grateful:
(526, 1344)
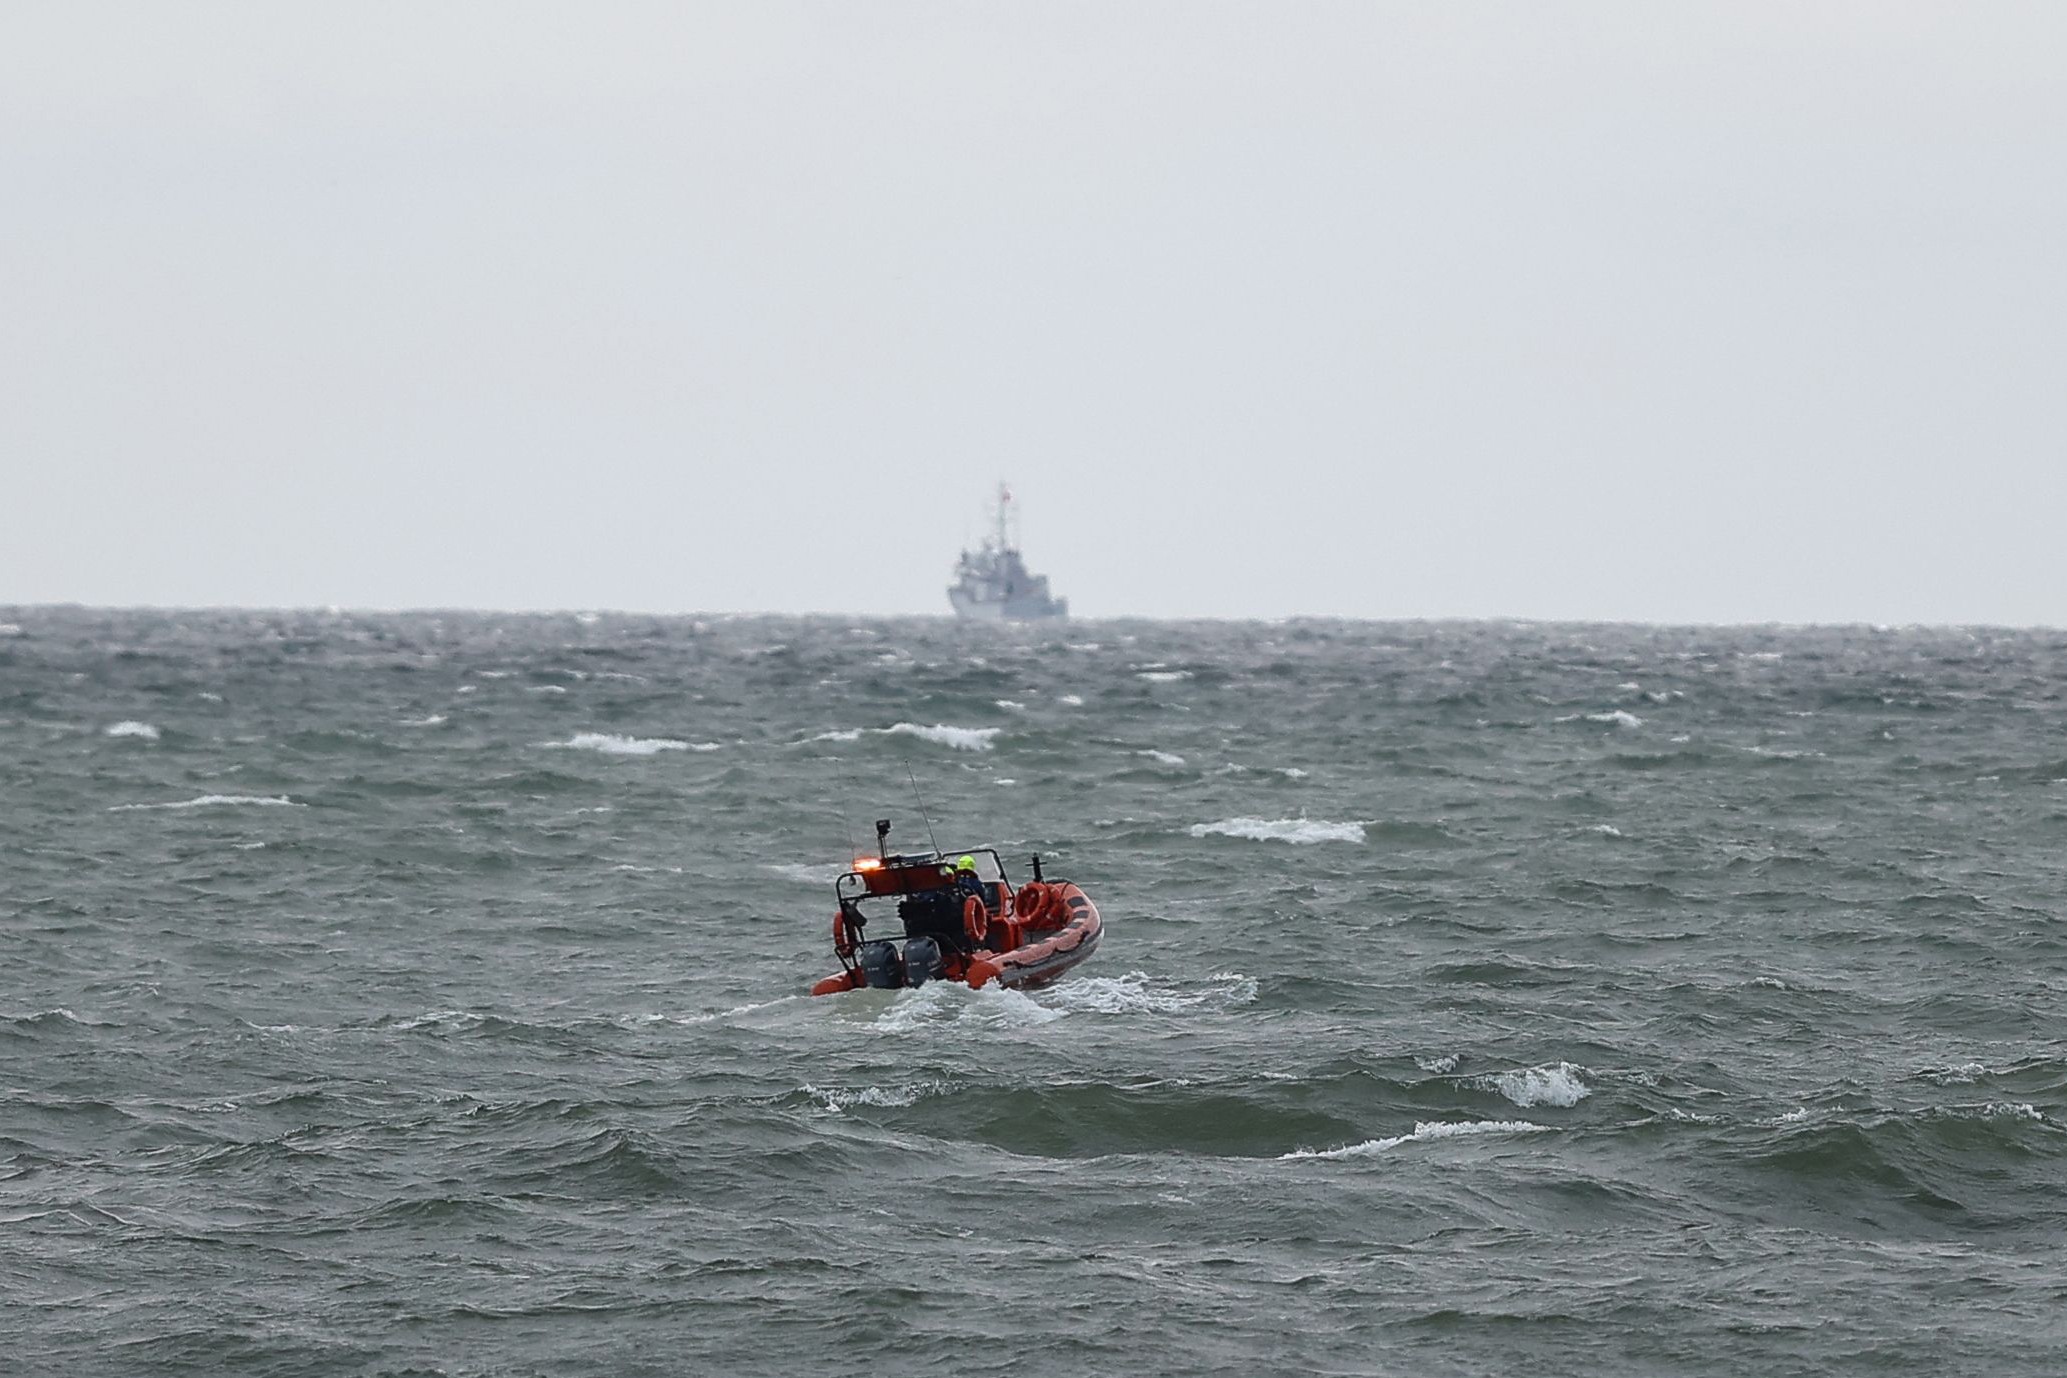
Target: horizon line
(578, 611)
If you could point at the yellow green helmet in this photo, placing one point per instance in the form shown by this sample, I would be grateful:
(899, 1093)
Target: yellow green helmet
(967, 863)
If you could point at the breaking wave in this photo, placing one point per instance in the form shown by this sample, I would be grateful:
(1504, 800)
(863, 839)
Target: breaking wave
(212, 800)
(614, 744)
(1559, 1085)
(134, 729)
(1299, 831)
(1423, 1132)
(960, 738)
(838, 1098)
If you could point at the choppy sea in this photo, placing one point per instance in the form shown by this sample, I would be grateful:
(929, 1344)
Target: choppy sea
(424, 994)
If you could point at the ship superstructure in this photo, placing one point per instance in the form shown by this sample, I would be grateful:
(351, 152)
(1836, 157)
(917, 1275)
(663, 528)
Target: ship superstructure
(992, 582)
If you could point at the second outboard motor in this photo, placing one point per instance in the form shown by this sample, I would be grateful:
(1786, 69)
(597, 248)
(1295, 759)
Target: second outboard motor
(881, 967)
(921, 961)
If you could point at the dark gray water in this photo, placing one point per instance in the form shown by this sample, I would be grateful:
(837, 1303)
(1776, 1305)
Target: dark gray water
(423, 994)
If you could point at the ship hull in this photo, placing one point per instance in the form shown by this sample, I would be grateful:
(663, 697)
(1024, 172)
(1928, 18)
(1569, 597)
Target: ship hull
(975, 609)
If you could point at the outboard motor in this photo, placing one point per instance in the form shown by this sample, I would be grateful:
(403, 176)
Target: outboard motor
(881, 967)
(921, 961)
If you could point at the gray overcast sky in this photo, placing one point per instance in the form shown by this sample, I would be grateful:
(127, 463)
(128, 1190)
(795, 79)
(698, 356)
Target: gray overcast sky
(1677, 312)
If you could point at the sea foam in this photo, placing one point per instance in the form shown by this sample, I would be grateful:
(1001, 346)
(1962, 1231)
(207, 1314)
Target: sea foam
(1423, 1132)
(1299, 831)
(134, 729)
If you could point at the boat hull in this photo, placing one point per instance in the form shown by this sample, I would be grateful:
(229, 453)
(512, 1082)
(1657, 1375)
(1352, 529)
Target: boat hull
(1047, 952)
(1061, 938)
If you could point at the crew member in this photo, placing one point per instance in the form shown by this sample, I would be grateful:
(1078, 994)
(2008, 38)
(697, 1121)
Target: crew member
(967, 881)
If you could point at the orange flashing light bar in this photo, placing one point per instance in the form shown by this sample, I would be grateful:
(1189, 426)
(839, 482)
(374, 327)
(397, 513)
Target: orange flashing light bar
(867, 863)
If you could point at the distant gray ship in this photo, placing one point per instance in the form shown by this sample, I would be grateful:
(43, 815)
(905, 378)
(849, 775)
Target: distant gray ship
(992, 583)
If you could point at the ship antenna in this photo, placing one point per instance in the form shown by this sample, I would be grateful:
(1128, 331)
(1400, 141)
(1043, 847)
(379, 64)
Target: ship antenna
(913, 776)
(848, 828)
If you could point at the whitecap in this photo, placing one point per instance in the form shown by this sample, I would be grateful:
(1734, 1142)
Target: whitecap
(1964, 1074)
(852, 735)
(1002, 781)
(132, 728)
(1073, 700)
(10, 629)
(1619, 717)
(1605, 830)
(1559, 1085)
(455, 1020)
(615, 744)
(2015, 1110)
(1424, 1131)
(1010, 705)
(212, 800)
(1446, 1062)
(1166, 758)
(838, 1098)
(1163, 676)
(960, 738)
(1299, 831)
(434, 720)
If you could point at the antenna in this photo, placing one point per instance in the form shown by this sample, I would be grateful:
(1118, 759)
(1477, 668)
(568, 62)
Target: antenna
(922, 807)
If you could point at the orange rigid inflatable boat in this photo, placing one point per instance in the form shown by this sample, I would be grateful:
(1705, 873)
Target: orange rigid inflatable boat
(957, 918)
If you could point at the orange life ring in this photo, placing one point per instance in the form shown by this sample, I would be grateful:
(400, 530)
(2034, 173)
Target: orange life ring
(1027, 903)
(975, 919)
(843, 938)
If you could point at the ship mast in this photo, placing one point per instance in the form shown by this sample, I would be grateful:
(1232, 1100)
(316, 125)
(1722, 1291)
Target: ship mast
(1004, 502)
